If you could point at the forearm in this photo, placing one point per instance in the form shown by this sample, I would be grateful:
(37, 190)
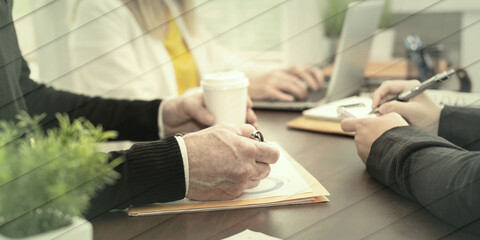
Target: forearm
(460, 125)
(134, 120)
(151, 172)
(439, 175)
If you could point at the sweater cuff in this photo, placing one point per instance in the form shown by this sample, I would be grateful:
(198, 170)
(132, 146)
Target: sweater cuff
(161, 131)
(183, 151)
(155, 171)
(388, 161)
(382, 155)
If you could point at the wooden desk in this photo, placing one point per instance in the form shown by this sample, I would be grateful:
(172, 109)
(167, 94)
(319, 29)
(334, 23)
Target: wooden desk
(359, 207)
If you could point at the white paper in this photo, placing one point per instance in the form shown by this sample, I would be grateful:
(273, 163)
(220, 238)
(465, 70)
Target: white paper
(251, 235)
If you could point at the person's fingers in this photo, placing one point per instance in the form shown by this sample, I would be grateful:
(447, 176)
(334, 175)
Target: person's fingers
(277, 94)
(261, 151)
(349, 124)
(252, 184)
(249, 102)
(318, 75)
(401, 108)
(245, 130)
(376, 98)
(391, 88)
(265, 153)
(293, 85)
(303, 74)
(310, 80)
(196, 109)
(388, 87)
(186, 127)
(251, 117)
(262, 170)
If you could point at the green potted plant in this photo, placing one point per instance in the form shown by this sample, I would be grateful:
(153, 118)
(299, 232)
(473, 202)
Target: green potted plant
(47, 178)
(334, 14)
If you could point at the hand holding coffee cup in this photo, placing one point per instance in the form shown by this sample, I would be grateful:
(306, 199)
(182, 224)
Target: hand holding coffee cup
(225, 95)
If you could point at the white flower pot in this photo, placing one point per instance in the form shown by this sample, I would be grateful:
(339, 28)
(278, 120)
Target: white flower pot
(80, 229)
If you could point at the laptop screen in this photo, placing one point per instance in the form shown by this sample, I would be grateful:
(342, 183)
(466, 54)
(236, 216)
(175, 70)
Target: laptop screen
(361, 21)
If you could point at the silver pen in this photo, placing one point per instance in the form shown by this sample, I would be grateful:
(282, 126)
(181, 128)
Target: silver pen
(407, 95)
(257, 135)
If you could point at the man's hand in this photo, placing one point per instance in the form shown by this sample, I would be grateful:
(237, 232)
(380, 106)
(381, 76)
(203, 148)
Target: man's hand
(224, 161)
(369, 129)
(187, 113)
(419, 111)
(286, 84)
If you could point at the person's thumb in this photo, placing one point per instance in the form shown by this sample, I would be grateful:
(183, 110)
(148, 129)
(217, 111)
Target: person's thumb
(349, 124)
(402, 108)
(199, 113)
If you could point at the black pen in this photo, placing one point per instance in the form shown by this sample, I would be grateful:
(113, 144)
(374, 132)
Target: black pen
(407, 95)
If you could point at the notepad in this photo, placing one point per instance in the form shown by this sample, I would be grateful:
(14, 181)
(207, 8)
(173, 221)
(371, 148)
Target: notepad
(288, 183)
(352, 107)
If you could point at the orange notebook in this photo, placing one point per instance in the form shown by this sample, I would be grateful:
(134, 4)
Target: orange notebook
(317, 125)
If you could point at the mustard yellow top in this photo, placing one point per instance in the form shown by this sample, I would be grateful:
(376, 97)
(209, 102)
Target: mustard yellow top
(183, 62)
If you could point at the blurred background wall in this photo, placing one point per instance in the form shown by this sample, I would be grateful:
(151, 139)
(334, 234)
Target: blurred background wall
(279, 31)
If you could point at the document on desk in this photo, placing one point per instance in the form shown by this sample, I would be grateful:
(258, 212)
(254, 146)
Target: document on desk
(359, 106)
(326, 117)
(248, 234)
(288, 183)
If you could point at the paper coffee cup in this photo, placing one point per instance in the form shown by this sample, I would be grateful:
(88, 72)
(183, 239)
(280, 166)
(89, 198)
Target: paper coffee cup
(225, 95)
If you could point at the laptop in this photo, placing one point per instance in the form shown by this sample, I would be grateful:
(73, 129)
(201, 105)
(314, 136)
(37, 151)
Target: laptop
(361, 21)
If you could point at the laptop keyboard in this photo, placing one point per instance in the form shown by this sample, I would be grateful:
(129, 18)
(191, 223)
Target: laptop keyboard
(298, 105)
(315, 96)
(453, 98)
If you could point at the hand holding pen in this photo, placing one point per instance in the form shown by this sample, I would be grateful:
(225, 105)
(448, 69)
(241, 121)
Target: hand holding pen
(421, 111)
(415, 91)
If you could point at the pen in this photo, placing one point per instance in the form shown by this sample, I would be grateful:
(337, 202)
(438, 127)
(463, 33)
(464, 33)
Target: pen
(257, 135)
(351, 105)
(407, 95)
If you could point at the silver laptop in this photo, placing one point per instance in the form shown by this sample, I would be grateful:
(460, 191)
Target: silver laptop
(361, 22)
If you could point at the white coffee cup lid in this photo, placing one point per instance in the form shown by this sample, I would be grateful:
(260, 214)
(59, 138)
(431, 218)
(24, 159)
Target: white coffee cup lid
(224, 80)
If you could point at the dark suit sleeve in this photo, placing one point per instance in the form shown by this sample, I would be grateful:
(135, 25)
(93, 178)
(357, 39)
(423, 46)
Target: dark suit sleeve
(133, 120)
(461, 126)
(428, 169)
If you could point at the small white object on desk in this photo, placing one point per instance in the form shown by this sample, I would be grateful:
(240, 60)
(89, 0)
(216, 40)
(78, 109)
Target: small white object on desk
(251, 235)
(330, 112)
